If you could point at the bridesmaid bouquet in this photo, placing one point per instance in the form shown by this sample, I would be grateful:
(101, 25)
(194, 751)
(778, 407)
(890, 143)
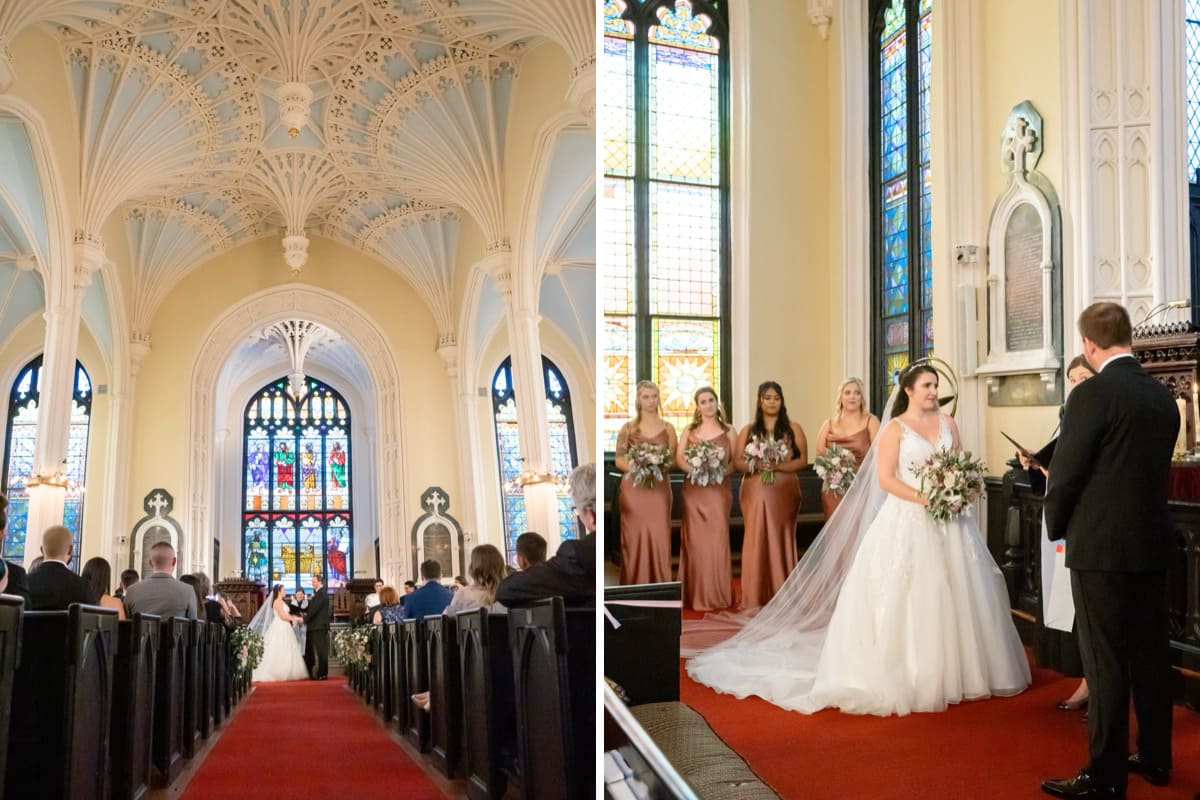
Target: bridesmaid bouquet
(648, 463)
(952, 482)
(763, 454)
(707, 462)
(837, 467)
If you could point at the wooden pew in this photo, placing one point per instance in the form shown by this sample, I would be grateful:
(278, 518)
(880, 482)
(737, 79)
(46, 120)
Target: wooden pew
(11, 616)
(642, 655)
(445, 691)
(385, 696)
(134, 670)
(417, 680)
(554, 672)
(489, 718)
(220, 656)
(375, 668)
(191, 689)
(170, 680)
(394, 686)
(204, 672)
(62, 705)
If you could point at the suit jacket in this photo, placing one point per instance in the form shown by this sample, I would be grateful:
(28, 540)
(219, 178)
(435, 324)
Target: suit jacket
(570, 574)
(429, 600)
(160, 593)
(318, 613)
(1107, 492)
(53, 587)
(18, 582)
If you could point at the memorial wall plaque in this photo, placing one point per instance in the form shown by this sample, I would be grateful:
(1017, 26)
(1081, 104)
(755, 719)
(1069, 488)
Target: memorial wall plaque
(1023, 279)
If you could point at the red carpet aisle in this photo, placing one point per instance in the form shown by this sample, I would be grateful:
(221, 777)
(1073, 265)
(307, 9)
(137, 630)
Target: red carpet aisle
(1000, 748)
(307, 739)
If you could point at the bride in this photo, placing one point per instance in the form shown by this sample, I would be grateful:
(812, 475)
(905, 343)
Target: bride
(281, 659)
(889, 611)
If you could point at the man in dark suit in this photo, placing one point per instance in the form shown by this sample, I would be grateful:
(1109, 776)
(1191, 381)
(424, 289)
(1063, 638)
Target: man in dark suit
(432, 598)
(317, 617)
(53, 586)
(1107, 496)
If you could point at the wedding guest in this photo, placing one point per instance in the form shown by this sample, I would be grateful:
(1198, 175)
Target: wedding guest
(851, 427)
(194, 582)
(372, 600)
(432, 598)
(213, 610)
(17, 583)
(98, 573)
(160, 593)
(37, 562)
(486, 571)
(704, 560)
(390, 607)
(53, 586)
(770, 506)
(571, 573)
(409, 588)
(531, 549)
(229, 609)
(459, 583)
(645, 512)
(128, 578)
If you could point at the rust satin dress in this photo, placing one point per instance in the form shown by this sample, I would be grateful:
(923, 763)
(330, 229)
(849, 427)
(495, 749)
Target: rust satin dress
(858, 443)
(704, 563)
(769, 546)
(646, 524)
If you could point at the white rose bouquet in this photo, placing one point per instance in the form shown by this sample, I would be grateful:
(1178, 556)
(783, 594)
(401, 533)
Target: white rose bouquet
(247, 647)
(952, 482)
(707, 463)
(763, 455)
(836, 467)
(648, 463)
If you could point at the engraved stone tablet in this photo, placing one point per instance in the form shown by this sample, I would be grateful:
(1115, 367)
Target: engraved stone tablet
(1023, 279)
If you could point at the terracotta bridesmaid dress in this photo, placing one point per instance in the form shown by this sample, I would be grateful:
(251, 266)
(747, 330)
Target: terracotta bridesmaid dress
(704, 561)
(645, 525)
(769, 546)
(858, 443)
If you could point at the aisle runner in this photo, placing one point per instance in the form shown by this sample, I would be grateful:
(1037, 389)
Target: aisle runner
(307, 739)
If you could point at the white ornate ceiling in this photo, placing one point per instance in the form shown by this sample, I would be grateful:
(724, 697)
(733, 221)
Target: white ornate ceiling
(181, 132)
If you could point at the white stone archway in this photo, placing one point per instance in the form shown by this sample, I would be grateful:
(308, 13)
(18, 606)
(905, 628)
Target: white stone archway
(361, 332)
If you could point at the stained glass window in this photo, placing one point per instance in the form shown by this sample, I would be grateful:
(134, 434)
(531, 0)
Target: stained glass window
(1192, 47)
(19, 448)
(296, 511)
(508, 451)
(902, 45)
(665, 230)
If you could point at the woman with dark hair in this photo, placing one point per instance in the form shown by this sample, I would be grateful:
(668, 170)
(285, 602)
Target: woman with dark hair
(770, 498)
(282, 659)
(213, 610)
(704, 561)
(98, 574)
(645, 511)
(194, 582)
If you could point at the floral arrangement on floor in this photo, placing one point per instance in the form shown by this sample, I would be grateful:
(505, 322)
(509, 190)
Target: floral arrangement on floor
(648, 463)
(952, 482)
(837, 467)
(247, 647)
(351, 646)
(707, 462)
(763, 455)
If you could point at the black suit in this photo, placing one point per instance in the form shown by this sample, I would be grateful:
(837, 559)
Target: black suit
(316, 648)
(570, 574)
(53, 587)
(18, 582)
(1107, 496)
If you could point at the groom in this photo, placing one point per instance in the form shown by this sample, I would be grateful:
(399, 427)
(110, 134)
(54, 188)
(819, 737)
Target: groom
(1107, 496)
(316, 649)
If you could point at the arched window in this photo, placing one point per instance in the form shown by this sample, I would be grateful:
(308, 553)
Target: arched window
(902, 254)
(296, 510)
(19, 446)
(665, 232)
(508, 450)
(1191, 11)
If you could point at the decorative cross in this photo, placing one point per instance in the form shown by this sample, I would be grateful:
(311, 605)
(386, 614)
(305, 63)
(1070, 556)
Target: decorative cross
(158, 504)
(436, 501)
(1020, 143)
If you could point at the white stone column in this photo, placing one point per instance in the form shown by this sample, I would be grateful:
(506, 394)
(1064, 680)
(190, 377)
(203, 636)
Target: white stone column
(465, 507)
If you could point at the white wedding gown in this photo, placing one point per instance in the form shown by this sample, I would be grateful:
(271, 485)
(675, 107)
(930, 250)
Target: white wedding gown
(922, 620)
(281, 659)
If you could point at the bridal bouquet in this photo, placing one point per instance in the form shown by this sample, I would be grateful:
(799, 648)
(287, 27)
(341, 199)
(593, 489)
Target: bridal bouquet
(247, 647)
(763, 455)
(952, 482)
(648, 463)
(351, 646)
(836, 467)
(707, 462)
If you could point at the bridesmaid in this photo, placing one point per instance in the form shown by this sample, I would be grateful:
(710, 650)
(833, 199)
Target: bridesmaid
(704, 567)
(851, 426)
(769, 510)
(645, 513)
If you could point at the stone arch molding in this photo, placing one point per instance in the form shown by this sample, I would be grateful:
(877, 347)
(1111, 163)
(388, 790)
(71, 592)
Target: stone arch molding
(360, 331)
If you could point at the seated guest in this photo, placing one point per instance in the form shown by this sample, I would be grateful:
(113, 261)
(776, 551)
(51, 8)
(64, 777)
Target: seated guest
(128, 578)
(37, 562)
(571, 574)
(390, 607)
(16, 582)
(98, 574)
(160, 593)
(53, 586)
(459, 583)
(194, 582)
(371, 601)
(531, 549)
(409, 588)
(432, 598)
(486, 571)
(232, 614)
(213, 610)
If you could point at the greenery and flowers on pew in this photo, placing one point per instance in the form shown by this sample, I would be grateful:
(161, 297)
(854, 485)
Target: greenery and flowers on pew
(247, 647)
(351, 646)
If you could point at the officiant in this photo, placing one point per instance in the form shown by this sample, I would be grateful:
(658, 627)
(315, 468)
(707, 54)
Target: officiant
(298, 605)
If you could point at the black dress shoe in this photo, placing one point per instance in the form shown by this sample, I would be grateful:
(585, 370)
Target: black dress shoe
(1156, 776)
(1067, 705)
(1082, 786)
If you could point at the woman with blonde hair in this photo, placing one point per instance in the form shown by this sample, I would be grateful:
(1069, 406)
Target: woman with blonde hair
(851, 427)
(704, 561)
(486, 571)
(645, 512)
